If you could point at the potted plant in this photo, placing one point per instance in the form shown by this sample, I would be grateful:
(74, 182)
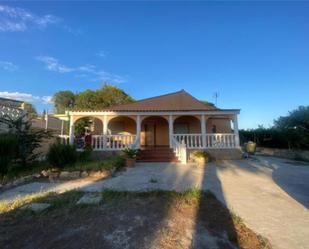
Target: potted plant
(131, 155)
(201, 157)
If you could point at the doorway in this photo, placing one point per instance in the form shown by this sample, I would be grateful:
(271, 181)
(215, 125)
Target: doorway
(150, 134)
(154, 132)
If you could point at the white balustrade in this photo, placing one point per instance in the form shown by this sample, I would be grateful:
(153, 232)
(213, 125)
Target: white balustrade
(220, 141)
(180, 150)
(189, 141)
(213, 141)
(113, 142)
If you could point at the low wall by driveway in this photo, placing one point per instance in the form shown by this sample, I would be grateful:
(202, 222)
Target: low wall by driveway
(285, 153)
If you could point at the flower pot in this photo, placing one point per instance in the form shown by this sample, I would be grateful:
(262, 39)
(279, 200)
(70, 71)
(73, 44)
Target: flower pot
(130, 162)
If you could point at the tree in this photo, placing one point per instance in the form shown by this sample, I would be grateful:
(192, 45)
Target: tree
(297, 119)
(108, 95)
(31, 111)
(112, 95)
(295, 127)
(79, 127)
(29, 139)
(63, 100)
(87, 100)
(291, 131)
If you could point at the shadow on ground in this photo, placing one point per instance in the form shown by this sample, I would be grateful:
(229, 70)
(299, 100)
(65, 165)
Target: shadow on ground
(124, 220)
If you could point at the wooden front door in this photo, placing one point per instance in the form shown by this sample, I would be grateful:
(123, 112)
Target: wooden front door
(150, 134)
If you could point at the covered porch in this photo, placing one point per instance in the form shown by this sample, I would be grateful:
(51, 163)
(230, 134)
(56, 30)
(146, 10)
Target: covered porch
(111, 131)
(177, 121)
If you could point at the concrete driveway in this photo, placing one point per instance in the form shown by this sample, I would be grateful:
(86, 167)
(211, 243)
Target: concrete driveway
(271, 195)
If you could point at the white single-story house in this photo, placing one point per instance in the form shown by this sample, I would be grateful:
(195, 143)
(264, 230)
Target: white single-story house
(176, 121)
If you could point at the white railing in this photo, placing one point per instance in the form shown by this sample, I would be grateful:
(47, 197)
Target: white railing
(180, 150)
(190, 140)
(210, 141)
(101, 142)
(221, 141)
(64, 139)
(112, 142)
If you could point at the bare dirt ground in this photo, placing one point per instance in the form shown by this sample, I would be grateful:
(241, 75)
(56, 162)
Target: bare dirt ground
(122, 220)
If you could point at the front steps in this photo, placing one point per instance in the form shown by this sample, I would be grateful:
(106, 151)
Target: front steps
(157, 154)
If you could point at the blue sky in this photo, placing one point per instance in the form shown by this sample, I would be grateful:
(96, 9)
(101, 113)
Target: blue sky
(255, 54)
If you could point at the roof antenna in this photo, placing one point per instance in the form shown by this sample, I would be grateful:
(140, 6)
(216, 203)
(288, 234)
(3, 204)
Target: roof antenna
(216, 96)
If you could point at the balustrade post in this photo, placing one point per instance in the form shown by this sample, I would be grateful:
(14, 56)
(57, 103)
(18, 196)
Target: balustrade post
(71, 131)
(105, 124)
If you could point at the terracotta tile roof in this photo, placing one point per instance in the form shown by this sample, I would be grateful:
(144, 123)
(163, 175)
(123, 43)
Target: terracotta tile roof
(177, 101)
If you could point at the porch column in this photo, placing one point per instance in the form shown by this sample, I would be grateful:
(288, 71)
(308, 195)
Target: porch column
(236, 133)
(71, 131)
(105, 124)
(171, 129)
(203, 130)
(138, 130)
(62, 126)
(46, 120)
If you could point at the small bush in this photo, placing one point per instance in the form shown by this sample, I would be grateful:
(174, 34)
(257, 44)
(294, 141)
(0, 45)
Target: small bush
(131, 153)
(8, 151)
(113, 162)
(60, 155)
(109, 163)
(202, 154)
(85, 155)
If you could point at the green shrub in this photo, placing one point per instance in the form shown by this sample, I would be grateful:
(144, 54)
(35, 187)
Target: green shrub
(131, 153)
(60, 155)
(29, 138)
(202, 154)
(118, 161)
(8, 150)
(85, 155)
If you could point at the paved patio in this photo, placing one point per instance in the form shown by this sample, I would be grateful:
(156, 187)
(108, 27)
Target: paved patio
(270, 194)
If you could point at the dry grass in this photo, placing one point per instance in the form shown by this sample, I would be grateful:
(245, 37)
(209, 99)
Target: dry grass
(159, 218)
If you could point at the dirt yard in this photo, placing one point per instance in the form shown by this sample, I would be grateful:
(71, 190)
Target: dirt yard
(123, 220)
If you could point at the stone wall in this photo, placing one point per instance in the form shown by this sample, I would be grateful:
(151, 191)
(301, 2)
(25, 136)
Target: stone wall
(104, 154)
(285, 153)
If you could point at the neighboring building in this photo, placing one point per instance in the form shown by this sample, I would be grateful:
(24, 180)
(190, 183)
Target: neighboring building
(177, 121)
(10, 108)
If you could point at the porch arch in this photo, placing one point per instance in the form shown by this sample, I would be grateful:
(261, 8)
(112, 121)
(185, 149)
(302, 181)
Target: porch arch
(154, 131)
(219, 125)
(187, 124)
(121, 125)
(91, 123)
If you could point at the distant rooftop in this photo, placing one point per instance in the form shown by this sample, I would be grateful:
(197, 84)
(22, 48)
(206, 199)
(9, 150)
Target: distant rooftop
(11, 103)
